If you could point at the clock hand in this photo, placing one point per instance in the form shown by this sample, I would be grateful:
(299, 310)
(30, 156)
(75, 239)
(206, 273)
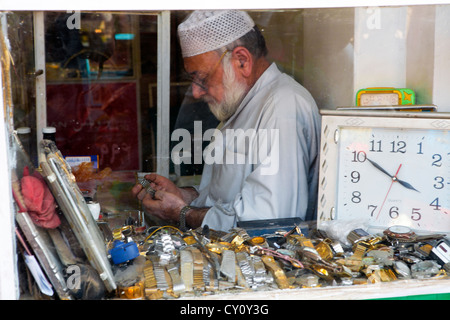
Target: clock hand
(376, 165)
(407, 185)
(403, 183)
(394, 178)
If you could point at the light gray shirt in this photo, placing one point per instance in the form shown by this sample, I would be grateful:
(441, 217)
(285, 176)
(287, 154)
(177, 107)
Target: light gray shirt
(263, 162)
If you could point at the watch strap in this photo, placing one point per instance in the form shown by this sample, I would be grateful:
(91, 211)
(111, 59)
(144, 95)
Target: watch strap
(146, 185)
(183, 212)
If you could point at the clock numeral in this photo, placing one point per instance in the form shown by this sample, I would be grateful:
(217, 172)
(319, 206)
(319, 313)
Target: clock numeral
(356, 197)
(435, 204)
(359, 156)
(375, 146)
(420, 148)
(393, 212)
(415, 214)
(398, 146)
(439, 182)
(355, 176)
(437, 160)
(372, 209)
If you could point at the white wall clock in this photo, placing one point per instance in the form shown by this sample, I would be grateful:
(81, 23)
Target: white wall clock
(386, 168)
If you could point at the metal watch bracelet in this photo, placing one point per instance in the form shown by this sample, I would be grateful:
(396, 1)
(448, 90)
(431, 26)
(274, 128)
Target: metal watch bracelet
(183, 212)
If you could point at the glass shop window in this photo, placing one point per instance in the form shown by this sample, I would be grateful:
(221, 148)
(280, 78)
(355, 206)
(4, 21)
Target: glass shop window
(94, 70)
(101, 70)
(101, 75)
(284, 37)
(335, 52)
(19, 26)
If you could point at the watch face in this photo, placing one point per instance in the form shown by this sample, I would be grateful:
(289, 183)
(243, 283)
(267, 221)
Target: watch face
(394, 176)
(399, 229)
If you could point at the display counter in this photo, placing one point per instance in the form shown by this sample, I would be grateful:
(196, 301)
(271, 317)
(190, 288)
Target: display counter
(117, 254)
(401, 290)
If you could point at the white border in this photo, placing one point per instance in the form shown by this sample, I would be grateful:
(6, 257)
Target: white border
(109, 5)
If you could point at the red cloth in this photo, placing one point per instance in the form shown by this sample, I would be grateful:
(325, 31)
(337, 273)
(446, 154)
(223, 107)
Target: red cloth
(39, 201)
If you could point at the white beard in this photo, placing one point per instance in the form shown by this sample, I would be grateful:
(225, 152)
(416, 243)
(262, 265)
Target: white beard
(234, 93)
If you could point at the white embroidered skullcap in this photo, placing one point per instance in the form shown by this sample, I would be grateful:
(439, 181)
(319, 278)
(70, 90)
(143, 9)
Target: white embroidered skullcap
(205, 31)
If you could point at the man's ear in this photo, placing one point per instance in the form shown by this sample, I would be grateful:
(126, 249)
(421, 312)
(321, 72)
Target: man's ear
(243, 60)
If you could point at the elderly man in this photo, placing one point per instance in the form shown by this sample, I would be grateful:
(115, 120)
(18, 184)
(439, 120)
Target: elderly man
(265, 150)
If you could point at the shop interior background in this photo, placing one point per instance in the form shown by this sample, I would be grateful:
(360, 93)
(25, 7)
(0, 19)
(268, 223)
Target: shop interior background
(101, 70)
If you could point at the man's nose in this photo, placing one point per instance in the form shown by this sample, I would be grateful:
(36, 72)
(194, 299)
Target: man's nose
(198, 91)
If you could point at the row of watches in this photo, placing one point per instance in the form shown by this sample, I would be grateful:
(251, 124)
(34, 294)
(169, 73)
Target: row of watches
(204, 261)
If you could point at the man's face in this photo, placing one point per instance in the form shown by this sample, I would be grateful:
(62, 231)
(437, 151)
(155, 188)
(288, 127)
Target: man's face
(217, 84)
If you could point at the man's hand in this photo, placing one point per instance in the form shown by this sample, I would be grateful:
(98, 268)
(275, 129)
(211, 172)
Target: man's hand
(157, 182)
(168, 199)
(164, 205)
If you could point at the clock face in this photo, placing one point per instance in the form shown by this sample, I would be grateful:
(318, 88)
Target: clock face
(394, 176)
(379, 99)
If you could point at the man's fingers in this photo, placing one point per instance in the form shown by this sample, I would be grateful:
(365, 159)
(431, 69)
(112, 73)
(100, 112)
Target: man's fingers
(136, 189)
(156, 186)
(160, 194)
(157, 182)
(150, 203)
(152, 177)
(142, 194)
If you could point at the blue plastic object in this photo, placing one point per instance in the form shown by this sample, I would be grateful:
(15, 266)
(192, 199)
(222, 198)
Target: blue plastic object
(123, 252)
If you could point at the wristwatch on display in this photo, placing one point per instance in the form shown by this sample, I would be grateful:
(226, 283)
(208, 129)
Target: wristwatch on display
(442, 252)
(400, 234)
(402, 269)
(405, 234)
(357, 235)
